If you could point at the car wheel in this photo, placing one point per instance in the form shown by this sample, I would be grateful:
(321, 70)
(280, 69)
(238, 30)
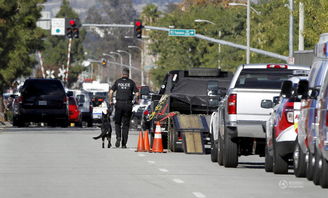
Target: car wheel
(78, 124)
(299, 161)
(280, 165)
(230, 152)
(214, 152)
(268, 160)
(64, 124)
(310, 166)
(220, 151)
(324, 173)
(316, 172)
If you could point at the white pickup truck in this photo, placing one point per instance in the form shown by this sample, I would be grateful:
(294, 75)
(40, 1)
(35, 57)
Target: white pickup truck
(238, 127)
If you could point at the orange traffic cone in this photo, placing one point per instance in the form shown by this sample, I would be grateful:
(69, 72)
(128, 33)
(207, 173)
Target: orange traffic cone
(146, 141)
(141, 146)
(158, 144)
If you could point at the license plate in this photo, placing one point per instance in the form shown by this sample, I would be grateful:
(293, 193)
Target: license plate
(41, 102)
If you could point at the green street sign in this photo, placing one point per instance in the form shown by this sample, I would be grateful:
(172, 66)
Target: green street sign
(182, 32)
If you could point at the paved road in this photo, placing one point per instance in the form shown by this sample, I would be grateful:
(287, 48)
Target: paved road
(68, 163)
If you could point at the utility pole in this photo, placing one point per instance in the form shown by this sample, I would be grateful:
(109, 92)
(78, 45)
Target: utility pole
(301, 27)
(248, 32)
(291, 31)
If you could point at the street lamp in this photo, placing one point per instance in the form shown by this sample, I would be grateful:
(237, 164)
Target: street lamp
(113, 57)
(121, 58)
(248, 29)
(142, 62)
(130, 64)
(204, 21)
(207, 21)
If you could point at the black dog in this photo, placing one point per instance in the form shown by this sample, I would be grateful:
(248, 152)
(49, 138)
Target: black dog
(106, 128)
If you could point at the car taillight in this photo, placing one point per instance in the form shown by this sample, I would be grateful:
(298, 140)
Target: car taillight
(290, 115)
(275, 66)
(65, 100)
(232, 104)
(289, 110)
(146, 112)
(20, 99)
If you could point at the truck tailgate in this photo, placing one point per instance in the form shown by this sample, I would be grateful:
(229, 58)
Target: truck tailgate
(249, 103)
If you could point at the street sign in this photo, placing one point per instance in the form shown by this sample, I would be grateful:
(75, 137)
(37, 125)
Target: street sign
(182, 32)
(58, 26)
(44, 21)
(50, 73)
(291, 60)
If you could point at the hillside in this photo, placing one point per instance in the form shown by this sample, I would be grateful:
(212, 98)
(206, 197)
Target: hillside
(81, 6)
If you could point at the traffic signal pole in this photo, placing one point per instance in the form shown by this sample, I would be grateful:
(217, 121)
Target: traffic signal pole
(68, 59)
(200, 36)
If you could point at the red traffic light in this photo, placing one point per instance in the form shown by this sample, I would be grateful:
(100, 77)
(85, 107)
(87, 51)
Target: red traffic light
(138, 23)
(72, 23)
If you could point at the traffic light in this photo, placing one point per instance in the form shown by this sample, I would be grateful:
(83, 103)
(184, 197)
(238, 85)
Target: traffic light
(103, 62)
(72, 27)
(138, 28)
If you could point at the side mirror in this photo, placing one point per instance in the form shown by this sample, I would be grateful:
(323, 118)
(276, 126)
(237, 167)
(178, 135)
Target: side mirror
(144, 90)
(314, 93)
(266, 104)
(69, 93)
(303, 89)
(286, 89)
(276, 100)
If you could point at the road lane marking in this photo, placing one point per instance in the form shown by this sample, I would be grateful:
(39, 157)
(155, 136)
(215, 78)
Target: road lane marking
(141, 155)
(151, 162)
(163, 170)
(178, 181)
(198, 194)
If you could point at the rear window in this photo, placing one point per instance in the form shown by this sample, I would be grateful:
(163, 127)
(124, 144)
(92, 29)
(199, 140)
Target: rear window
(43, 87)
(101, 94)
(262, 78)
(80, 98)
(71, 101)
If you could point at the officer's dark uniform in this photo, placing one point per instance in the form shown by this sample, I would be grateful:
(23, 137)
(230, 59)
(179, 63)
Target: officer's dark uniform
(124, 88)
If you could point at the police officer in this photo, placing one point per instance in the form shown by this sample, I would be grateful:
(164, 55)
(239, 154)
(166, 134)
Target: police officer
(125, 89)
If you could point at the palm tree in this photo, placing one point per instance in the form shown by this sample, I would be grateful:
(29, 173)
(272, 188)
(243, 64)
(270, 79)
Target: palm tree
(150, 14)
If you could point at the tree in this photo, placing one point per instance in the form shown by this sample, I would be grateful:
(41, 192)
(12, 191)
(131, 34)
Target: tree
(19, 39)
(185, 53)
(55, 53)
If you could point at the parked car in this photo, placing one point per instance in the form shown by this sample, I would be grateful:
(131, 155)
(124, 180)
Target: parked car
(74, 115)
(85, 105)
(307, 151)
(41, 100)
(137, 112)
(281, 127)
(240, 118)
(321, 152)
(311, 149)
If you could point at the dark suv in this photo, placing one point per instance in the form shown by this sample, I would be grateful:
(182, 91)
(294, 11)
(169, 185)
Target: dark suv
(41, 100)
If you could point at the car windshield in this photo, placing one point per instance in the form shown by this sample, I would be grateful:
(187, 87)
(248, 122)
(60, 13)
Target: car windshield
(101, 94)
(262, 78)
(43, 87)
